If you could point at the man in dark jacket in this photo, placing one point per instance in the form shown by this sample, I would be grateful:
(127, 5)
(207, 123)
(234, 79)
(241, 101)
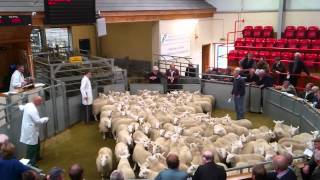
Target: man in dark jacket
(279, 69)
(308, 169)
(190, 71)
(209, 170)
(296, 68)
(155, 75)
(307, 94)
(265, 80)
(248, 62)
(172, 74)
(316, 173)
(281, 169)
(238, 93)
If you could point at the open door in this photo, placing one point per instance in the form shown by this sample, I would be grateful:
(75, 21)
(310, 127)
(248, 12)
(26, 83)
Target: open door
(205, 57)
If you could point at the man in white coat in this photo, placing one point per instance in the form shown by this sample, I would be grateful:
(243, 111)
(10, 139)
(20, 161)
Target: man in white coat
(30, 129)
(17, 79)
(87, 99)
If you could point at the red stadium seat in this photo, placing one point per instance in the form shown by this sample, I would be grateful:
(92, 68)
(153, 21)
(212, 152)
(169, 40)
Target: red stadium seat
(249, 42)
(313, 32)
(287, 55)
(260, 42)
(310, 57)
(281, 43)
(304, 43)
(301, 32)
(267, 32)
(292, 43)
(275, 54)
(239, 42)
(257, 31)
(232, 55)
(315, 44)
(264, 54)
(289, 32)
(247, 31)
(270, 42)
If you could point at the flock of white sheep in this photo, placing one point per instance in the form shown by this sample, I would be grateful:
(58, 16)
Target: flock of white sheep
(149, 126)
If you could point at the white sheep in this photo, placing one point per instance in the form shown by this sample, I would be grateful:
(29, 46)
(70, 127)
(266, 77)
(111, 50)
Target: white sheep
(125, 137)
(125, 168)
(147, 173)
(104, 161)
(104, 126)
(140, 154)
(240, 159)
(121, 149)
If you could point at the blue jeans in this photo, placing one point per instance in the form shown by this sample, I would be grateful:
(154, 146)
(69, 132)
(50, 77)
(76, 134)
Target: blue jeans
(239, 106)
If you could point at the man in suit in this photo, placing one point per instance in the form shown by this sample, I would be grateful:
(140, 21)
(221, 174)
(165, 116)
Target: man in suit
(307, 94)
(296, 68)
(155, 75)
(238, 93)
(281, 169)
(172, 74)
(316, 173)
(209, 170)
(279, 69)
(308, 169)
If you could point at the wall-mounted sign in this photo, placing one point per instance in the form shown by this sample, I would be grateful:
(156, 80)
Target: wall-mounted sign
(15, 20)
(176, 45)
(70, 11)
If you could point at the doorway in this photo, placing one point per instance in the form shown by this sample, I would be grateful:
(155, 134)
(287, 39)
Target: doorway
(205, 57)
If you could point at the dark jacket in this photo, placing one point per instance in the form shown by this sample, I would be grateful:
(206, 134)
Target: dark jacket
(316, 174)
(239, 87)
(12, 169)
(190, 71)
(299, 68)
(279, 67)
(156, 81)
(290, 175)
(310, 97)
(175, 75)
(247, 64)
(316, 101)
(266, 81)
(253, 78)
(210, 171)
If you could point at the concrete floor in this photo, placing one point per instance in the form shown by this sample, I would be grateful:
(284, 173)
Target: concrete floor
(81, 143)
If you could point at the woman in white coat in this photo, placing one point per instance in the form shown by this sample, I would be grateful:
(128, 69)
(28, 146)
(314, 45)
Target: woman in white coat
(30, 129)
(17, 79)
(86, 93)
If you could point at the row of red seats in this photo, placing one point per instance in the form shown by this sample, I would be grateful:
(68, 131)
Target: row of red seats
(280, 43)
(309, 58)
(301, 32)
(258, 31)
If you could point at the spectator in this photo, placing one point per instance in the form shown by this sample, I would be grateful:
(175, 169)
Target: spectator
(116, 175)
(238, 93)
(3, 139)
(190, 71)
(259, 173)
(282, 172)
(262, 64)
(307, 94)
(311, 165)
(209, 169)
(279, 69)
(155, 76)
(295, 69)
(265, 80)
(172, 74)
(10, 168)
(316, 101)
(287, 87)
(30, 175)
(252, 77)
(247, 63)
(172, 172)
(56, 174)
(316, 173)
(75, 172)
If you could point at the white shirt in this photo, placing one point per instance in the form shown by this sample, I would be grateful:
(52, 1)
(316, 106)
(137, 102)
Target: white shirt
(30, 128)
(86, 91)
(16, 80)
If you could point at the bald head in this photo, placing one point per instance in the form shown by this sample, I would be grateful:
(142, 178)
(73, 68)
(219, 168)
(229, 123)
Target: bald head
(172, 161)
(76, 172)
(297, 56)
(280, 163)
(37, 100)
(207, 156)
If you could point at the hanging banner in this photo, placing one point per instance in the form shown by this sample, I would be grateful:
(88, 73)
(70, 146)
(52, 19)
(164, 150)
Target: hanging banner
(175, 45)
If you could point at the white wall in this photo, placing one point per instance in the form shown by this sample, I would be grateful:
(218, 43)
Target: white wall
(303, 5)
(244, 5)
(200, 32)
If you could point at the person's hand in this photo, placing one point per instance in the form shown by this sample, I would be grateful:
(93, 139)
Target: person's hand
(306, 169)
(44, 119)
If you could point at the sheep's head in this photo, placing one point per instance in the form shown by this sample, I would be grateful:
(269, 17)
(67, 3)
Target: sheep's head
(144, 172)
(259, 150)
(277, 122)
(162, 132)
(294, 130)
(230, 157)
(192, 169)
(104, 159)
(289, 149)
(222, 152)
(236, 146)
(178, 129)
(315, 134)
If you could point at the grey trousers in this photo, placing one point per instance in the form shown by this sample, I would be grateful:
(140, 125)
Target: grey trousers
(239, 106)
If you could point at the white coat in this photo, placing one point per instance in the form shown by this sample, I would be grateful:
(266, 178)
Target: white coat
(17, 79)
(86, 91)
(31, 122)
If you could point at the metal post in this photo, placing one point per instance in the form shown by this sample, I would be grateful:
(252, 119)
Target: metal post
(280, 17)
